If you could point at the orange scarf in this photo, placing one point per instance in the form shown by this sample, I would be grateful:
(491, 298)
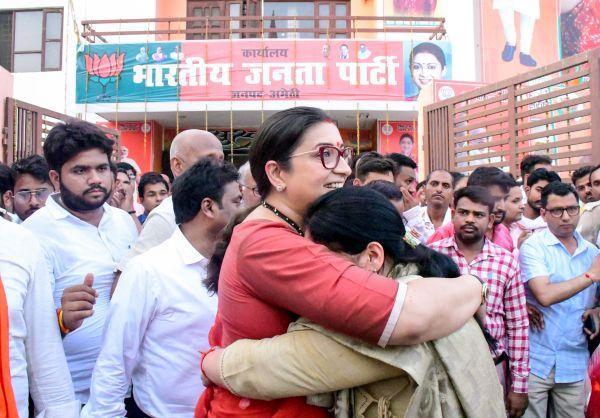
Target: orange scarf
(8, 406)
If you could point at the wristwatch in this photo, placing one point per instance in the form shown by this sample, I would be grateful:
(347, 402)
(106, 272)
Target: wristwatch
(484, 288)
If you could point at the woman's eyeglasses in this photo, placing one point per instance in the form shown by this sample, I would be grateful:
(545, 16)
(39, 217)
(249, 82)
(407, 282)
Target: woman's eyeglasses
(330, 155)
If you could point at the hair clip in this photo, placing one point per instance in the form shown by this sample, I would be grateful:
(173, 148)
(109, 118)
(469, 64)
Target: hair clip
(411, 239)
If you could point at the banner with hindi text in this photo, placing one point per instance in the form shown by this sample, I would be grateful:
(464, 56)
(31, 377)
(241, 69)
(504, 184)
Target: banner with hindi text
(246, 69)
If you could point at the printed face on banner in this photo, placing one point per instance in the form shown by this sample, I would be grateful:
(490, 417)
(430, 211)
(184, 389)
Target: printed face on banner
(425, 62)
(273, 69)
(398, 136)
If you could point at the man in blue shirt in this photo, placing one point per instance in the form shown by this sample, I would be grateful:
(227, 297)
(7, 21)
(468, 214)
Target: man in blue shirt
(562, 271)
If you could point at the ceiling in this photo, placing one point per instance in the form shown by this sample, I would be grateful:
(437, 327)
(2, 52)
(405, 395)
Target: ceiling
(252, 118)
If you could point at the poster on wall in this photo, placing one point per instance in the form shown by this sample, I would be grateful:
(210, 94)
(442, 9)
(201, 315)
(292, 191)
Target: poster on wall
(136, 143)
(267, 69)
(425, 62)
(517, 36)
(579, 26)
(411, 8)
(398, 136)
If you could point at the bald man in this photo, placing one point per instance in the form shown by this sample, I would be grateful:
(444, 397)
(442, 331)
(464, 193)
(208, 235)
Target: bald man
(186, 149)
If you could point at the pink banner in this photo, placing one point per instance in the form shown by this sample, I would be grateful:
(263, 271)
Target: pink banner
(290, 70)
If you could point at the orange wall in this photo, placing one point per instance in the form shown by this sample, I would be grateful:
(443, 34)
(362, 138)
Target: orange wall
(170, 8)
(364, 8)
(6, 90)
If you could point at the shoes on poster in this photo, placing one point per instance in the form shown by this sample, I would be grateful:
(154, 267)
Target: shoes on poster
(509, 52)
(527, 60)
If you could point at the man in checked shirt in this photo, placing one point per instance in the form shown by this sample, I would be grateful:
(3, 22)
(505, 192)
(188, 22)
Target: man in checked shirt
(506, 316)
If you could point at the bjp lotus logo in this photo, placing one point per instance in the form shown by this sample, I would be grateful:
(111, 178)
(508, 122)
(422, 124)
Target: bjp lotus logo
(105, 69)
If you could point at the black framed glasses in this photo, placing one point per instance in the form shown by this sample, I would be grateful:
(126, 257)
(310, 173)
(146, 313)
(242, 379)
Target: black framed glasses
(330, 155)
(558, 212)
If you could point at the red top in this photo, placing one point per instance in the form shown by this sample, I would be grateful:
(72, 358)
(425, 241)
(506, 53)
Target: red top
(501, 236)
(270, 276)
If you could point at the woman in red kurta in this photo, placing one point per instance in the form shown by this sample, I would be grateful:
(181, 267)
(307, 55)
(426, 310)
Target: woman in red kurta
(271, 274)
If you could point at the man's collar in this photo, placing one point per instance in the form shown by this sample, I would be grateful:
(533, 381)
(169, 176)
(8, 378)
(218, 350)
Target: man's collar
(549, 239)
(591, 205)
(57, 211)
(186, 251)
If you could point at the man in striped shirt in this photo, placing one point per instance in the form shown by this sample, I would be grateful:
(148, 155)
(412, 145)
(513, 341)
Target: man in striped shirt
(506, 316)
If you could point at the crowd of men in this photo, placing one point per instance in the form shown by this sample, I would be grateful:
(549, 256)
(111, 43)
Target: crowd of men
(103, 279)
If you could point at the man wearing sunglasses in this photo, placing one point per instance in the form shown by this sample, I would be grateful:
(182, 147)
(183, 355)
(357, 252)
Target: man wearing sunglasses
(562, 271)
(32, 186)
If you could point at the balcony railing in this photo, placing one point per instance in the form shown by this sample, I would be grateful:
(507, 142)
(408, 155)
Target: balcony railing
(225, 27)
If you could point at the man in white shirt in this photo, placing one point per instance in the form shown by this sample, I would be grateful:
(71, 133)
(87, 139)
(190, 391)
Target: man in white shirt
(425, 220)
(186, 149)
(82, 239)
(37, 359)
(156, 341)
(531, 221)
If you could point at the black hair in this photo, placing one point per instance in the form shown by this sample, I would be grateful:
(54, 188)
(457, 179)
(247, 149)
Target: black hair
(66, 140)
(362, 157)
(421, 184)
(428, 48)
(127, 167)
(475, 194)
(374, 165)
(122, 170)
(530, 161)
(402, 160)
(148, 179)
(581, 172)
(7, 179)
(207, 178)
(349, 218)
(440, 171)
(542, 174)
(407, 135)
(386, 188)
(594, 170)
(557, 188)
(277, 138)
(34, 165)
(211, 282)
(456, 176)
(491, 176)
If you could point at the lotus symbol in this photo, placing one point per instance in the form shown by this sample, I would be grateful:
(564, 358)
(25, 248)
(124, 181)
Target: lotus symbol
(105, 69)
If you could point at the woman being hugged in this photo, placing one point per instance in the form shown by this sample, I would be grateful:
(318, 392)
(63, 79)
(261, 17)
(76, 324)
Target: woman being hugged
(271, 273)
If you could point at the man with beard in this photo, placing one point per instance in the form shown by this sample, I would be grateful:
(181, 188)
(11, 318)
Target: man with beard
(531, 221)
(498, 183)
(581, 180)
(156, 341)
(83, 239)
(505, 317)
(425, 220)
(32, 186)
(562, 271)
